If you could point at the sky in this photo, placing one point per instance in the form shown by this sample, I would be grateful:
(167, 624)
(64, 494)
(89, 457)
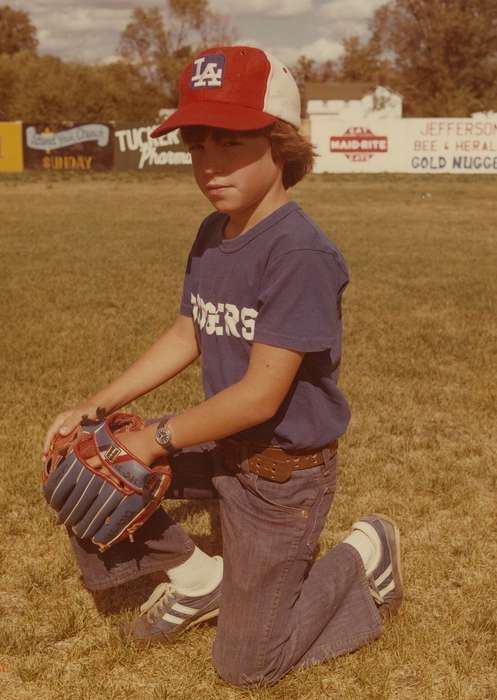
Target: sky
(89, 31)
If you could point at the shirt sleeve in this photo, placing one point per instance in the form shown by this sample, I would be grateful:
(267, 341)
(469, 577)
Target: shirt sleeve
(185, 307)
(300, 301)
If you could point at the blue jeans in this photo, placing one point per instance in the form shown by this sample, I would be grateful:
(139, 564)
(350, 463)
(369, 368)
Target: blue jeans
(280, 609)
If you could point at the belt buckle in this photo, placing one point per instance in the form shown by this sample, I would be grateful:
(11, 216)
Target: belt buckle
(285, 471)
(279, 472)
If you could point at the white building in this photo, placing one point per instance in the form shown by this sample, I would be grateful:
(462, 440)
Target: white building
(352, 101)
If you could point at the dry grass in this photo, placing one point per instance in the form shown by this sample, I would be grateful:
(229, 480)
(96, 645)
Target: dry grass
(91, 271)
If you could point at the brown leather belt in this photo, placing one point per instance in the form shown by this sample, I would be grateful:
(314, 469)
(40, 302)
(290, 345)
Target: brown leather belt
(273, 463)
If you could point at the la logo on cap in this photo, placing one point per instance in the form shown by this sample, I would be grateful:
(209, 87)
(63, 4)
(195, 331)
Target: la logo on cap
(207, 71)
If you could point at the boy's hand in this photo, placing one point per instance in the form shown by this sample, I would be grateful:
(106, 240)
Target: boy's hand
(65, 423)
(142, 444)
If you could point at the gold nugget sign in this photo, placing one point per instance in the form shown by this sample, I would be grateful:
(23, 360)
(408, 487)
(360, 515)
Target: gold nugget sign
(10, 147)
(80, 147)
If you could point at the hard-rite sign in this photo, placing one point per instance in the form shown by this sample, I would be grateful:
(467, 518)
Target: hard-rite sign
(68, 147)
(358, 144)
(405, 145)
(135, 150)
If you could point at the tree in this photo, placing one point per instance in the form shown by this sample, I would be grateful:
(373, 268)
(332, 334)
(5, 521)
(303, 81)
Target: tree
(363, 62)
(46, 89)
(161, 46)
(442, 54)
(144, 42)
(127, 96)
(308, 70)
(16, 31)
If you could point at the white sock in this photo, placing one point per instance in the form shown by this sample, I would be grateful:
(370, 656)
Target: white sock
(368, 548)
(198, 575)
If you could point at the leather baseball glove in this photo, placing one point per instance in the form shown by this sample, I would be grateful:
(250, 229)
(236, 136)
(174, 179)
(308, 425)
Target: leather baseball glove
(98, 488)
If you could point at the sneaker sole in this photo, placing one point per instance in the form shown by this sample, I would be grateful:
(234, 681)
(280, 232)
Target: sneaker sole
(173, 634)
(393, 539)
(203, 618)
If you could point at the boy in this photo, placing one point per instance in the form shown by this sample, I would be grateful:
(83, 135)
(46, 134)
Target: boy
(261, 305)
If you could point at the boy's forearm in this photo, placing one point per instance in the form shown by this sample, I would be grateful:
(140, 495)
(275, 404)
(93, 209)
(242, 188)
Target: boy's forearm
(168, 356)
(230, 411)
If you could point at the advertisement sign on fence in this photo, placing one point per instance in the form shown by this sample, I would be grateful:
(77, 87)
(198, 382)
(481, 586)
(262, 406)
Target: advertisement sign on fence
(68, 147)
(405, 145)
(135, 150)
(10, 147)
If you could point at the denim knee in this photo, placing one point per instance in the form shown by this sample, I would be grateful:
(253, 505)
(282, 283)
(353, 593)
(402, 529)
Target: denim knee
(240, 667)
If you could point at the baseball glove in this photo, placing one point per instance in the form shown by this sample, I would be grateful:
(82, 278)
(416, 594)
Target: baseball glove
(98, 488)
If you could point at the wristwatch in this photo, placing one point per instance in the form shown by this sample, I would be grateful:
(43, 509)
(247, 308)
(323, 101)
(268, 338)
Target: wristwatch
(163, 437)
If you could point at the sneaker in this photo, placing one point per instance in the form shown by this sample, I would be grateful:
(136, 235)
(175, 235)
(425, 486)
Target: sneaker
(167, 613)
(385, 581)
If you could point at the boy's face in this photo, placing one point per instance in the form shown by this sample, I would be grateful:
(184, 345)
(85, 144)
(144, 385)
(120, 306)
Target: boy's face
(234, 171)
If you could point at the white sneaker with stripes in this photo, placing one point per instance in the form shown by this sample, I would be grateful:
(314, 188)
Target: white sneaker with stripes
(385, 581)
(167, 613)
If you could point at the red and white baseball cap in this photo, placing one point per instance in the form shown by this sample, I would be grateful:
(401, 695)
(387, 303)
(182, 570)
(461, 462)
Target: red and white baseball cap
(234, 87)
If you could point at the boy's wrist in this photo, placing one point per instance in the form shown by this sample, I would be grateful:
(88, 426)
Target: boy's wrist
(142, 444)
(164, 437)
(155, 450)
(103, 401)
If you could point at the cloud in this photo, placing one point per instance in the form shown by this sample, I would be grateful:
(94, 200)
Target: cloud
(351, 12)
(87, 33)
(55, 5)
(343, 18)
(265, 8)
(90, 19)
(90, 31)
(320, 50)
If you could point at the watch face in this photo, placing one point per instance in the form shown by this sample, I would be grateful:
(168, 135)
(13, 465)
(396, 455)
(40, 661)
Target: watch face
(163, 436)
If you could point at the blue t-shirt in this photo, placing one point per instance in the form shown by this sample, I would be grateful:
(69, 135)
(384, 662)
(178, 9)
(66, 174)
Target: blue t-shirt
(280, 283)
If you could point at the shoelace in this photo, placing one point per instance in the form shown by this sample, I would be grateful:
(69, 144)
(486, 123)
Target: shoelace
(156, 605)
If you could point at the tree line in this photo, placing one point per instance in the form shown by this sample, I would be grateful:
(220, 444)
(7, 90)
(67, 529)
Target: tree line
(152, 49)
(440, 55)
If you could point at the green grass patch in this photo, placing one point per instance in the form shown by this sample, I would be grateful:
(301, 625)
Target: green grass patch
(91, 275)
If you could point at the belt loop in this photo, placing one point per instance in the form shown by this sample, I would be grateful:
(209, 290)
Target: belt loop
(326, 461)
(244, 462)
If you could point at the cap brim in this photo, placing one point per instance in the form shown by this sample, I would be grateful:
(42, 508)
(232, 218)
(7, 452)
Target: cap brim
(216, 114)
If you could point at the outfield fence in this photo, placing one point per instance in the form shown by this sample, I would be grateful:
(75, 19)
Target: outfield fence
(88, 147)
(353, 146)
(405, 145)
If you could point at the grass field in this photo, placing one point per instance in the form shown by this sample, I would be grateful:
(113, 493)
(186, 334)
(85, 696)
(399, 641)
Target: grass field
(91, 274)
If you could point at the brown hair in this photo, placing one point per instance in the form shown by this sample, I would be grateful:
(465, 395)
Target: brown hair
(288, 147)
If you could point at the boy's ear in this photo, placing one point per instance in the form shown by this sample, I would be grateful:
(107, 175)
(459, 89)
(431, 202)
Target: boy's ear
(277, 160)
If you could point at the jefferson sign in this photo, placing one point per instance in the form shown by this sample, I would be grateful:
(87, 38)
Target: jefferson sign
(405, 145)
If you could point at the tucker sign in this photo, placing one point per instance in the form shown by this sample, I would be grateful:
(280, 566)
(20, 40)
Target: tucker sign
(135, 150)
